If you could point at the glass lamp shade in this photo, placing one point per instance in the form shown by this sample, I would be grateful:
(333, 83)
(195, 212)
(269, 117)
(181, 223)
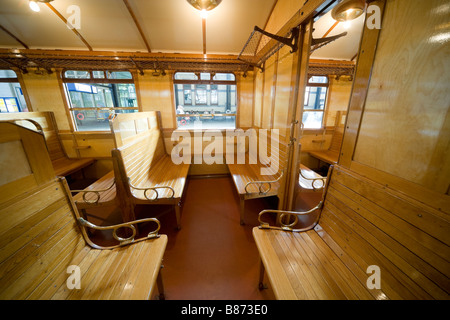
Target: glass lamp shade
(204, 4)
(348, 10)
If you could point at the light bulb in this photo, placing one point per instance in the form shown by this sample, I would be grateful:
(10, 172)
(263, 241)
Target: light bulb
(34, 6)
(204, 14)
(347, 25)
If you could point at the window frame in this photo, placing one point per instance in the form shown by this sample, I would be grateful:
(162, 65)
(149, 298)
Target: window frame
(322, 85)
(92, 80)
(17, 79)
(209, 83)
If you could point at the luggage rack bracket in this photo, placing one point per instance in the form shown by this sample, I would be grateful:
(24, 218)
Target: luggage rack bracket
(261, 45)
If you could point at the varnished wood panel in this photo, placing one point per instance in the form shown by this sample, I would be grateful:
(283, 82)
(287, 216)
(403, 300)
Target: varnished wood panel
(156, 95)
(404, 129)
(45, 95)
(259, 93)
(245, 102)
(269, 91)
(283, 91)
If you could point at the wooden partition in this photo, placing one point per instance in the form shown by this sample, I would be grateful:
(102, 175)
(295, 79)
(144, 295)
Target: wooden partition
(45, 122)
(398, 120)
(25, 161)
(43, 240)
(144, 172)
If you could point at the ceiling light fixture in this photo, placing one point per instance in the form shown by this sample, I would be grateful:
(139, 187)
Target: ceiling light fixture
(35, 6)
(206, 5)
(348, 10)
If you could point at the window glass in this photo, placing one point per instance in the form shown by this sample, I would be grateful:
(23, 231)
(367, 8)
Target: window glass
(314, 104)
(7, 73)
(318, 79)
(224, 76)
(91, 103)
(206, 104)
(75, 74)
(98, 74)
(185, 76)
(119, 75)
(11, 95)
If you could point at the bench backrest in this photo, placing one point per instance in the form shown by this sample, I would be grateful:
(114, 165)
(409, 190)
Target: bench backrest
(377, 226)
(37, 216)
(47, 123)
(275, 145)
(338, 133)
(139, 139)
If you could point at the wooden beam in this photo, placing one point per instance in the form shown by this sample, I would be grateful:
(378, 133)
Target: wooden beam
(204, 34)
(14, 37)
(68, 24)
(138, 26)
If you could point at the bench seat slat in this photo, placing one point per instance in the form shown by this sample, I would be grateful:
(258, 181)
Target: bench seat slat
(362, 224)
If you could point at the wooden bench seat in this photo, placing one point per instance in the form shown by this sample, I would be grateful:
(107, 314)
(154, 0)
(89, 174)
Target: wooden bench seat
(144, 172)
(249, 181)
(331, 155)
(310, 180)
(45, 122)
(328, 156)
(43, 239)
(65, 166)
(164, 173)
(359, 226)
(100, 193)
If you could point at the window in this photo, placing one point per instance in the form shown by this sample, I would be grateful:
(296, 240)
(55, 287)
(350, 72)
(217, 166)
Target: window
(95, 95)
(205, 99)
(315, 98)
(11, 95)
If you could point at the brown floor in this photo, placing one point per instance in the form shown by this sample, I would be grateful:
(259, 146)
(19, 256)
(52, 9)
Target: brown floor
(212, 257)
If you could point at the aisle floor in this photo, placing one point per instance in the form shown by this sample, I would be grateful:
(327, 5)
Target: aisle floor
(212, 257)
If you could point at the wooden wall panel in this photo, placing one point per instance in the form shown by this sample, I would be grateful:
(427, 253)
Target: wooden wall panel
(338, 98)
(405, 123)
(259, 93)
(156, 95)
(269, 92)
(45, 95)
(283, 91)
(245, 102)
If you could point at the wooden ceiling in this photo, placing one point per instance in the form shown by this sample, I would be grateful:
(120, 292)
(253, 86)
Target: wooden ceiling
(141, 34)
(133, 25)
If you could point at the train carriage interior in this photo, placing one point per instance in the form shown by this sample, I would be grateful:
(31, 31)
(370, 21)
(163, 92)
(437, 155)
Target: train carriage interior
(225, 150)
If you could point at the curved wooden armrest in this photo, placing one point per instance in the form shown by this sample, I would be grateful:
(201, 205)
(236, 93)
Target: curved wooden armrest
(34, 122)
(154, 189)
(122, 241)
(289, 226)
(322, 179)
(261, 183)
(96, 192)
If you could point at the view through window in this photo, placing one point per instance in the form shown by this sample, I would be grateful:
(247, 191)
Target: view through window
(205, 99)
(11, 95)
(315, 98)
(96, 95)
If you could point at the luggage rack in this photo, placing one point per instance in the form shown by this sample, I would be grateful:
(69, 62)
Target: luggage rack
(261, 45)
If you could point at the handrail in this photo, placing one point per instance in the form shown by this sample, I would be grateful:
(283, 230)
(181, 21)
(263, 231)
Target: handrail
(96, 192)
(123, 241)
(295, 214)
(261, 183)
(153, 189)
(313, 180)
